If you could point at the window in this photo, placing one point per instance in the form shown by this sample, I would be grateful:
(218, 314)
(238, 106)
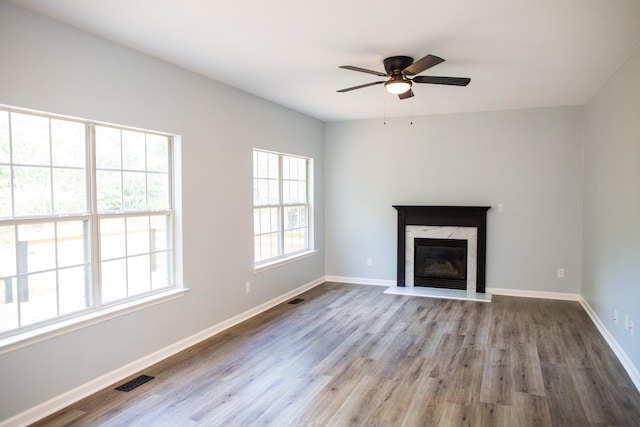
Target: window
(86, 217)
(280, 206)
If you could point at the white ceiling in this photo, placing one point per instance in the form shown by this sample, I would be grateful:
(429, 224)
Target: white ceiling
(518, 53)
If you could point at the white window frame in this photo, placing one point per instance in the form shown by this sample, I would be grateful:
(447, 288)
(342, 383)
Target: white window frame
(98, 311)
(281, 257)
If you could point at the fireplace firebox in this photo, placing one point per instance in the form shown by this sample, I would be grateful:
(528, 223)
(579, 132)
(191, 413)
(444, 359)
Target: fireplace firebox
(440, 263)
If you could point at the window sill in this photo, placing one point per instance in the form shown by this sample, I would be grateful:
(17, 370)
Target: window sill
(285, 260)
(33, 336)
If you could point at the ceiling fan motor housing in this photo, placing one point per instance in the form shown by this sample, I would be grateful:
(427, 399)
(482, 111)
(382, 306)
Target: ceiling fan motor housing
(395, 64)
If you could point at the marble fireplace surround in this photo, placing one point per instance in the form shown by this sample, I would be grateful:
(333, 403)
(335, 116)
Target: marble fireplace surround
(470, 234)
(455, 222)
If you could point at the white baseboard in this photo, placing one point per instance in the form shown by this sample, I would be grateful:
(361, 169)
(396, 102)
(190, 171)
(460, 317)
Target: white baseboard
(534, 294)
(619, 352)
(495, 291)
(360, 281)
(61, 401)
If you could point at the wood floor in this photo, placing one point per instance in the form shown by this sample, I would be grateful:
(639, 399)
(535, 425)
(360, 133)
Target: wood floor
(350, 355)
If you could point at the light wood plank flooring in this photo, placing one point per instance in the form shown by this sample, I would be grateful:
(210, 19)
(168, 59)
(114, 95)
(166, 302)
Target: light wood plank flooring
(351, 356)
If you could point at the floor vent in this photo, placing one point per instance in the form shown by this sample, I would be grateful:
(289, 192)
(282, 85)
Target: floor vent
(130, 385)
(296, 301)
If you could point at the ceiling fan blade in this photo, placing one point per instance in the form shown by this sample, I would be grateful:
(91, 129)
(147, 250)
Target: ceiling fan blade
(359, 87)
(422, 64)
(407, 94)
(363, 70)
(436, 80)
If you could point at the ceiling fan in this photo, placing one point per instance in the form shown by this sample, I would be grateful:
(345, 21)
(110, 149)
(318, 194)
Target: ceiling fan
(399, 67)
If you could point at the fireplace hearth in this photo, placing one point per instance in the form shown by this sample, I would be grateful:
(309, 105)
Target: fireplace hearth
(442, 247)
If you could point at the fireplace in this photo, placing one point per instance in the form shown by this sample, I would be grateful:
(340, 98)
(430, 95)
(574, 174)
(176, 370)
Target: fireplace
(442, 247)
(440, 263)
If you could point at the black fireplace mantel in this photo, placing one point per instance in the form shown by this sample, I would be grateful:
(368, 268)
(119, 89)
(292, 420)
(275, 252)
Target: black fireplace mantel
(461, 216)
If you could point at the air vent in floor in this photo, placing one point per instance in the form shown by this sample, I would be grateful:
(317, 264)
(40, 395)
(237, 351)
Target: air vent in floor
(130, 385)
(296, 301)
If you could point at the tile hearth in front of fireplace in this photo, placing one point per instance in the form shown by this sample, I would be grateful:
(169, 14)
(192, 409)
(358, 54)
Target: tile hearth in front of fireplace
(442, 293)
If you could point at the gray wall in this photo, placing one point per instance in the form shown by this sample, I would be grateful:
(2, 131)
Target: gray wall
(528, 160)
(611, 253)
(52, 67)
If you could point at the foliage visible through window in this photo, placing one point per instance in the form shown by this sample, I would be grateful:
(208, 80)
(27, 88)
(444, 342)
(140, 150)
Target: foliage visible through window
(281, 205)
(86, 217)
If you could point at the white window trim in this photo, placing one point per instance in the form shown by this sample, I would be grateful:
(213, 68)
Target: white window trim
(94, 316)
(275, 262)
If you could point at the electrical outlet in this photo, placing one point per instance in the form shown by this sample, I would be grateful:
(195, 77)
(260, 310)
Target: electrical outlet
(626, 321)
(247, 287)
(615, 316)
(369, 262)
(500, 207)
(560, 273)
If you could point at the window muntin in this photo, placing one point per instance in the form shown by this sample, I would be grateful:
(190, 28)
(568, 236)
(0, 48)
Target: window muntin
(78, 231)
(281, 205)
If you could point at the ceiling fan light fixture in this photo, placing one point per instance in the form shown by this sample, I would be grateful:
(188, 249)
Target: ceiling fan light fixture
(397, 85)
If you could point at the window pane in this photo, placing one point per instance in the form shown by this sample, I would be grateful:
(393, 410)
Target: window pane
(133, 150)
(266, 246)
(274, 171)
(74, 289)
(139, 275)
(134, 191)
(302, 192)
(109, 191)
(260, 164)
(8, 304)
(30, 139)
(296, 240)
(73, 243)
(4, 137)
(274, 192)
(68, 143)
(32, 191)
(273, 240)
(269, 220)
(159, 232)
(36, 247)
(114, 280)
(7, 251)
(158, 191)
(267, 192)
(295, 229)
(160, 273)
(39, 298)
(286, 192)
(291, 218)
(69, 192)
(157, 153)
(266, 165)
(138, 235)
(262, 192)
(5, 191)
(108, 155)
(286, 172)
(112, 241)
